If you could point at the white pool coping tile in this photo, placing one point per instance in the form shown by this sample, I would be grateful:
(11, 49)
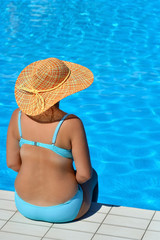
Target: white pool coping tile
(150, 235)
(157, 216)
(118, 231)
(100, 208)
(2, 223)
(94, 217)
(5, 214)
(25, 229)
(7, 205)
(132, 212)
(66, 234)
(21, 219)
(82, 226)
(7, 195)
(102, 222)
(14, 236)
(154, 226)
(127, 221)
(105, 237)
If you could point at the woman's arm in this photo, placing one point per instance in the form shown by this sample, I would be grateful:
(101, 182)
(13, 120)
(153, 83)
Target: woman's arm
(13, 150)
(80, 152)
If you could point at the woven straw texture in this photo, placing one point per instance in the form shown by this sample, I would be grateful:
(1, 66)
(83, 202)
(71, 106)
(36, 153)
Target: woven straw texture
(43, 83)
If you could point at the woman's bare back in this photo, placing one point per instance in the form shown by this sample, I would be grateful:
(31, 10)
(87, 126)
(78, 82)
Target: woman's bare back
(45, 178)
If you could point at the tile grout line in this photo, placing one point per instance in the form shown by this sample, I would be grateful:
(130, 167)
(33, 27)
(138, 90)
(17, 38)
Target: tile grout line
(93, 221)
(119, 215)
(148, 225)
(67, 229)
(107, 224)
(34, 224)
(20, 234)
(71, 229)
(7, 221)
(6, 199)
(8, 210)
(23, 234)
(38, 225)
(154, 231)
(156, 220)
(47, 231)
(9, 198)
(101, 224)
(49, 238)
(25, 223)
(120, 238)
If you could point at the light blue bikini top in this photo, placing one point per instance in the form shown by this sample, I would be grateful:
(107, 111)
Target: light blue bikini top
(61, 151)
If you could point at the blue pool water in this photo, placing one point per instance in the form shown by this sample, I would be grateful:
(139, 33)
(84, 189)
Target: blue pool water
(120, 42)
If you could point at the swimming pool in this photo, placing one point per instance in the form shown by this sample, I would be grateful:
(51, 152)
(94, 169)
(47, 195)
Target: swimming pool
(120, 42)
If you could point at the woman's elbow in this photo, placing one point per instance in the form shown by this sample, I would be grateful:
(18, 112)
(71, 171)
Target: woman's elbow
(14, 167)
(82, 178)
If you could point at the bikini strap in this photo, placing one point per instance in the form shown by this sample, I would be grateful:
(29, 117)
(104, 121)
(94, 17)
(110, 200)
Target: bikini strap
(19, 123)
(57, 128)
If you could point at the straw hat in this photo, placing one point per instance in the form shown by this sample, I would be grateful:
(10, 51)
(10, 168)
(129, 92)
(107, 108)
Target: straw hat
(43, 83)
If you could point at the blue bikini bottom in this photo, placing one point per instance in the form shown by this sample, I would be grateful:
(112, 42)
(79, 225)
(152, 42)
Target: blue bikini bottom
(64, 212)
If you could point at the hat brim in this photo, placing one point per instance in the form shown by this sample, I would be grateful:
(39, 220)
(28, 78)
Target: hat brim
(80, 78)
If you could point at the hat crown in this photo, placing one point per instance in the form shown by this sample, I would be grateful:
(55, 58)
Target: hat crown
(47, 74)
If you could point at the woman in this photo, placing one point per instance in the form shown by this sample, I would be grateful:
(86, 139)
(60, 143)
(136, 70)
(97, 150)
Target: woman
(43, 141)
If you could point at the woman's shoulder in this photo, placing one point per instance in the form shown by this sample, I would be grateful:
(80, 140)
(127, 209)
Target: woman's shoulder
(13, 125)
(74, 118)
(14, 115)
(14, 119)
(74, 121)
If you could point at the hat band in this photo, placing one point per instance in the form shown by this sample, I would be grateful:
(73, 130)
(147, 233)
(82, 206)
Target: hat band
(40, 99)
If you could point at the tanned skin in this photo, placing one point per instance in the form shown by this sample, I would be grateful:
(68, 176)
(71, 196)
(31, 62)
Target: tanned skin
(44, 177)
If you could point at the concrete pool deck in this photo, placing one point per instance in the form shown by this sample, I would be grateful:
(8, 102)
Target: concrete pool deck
(102, 222)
